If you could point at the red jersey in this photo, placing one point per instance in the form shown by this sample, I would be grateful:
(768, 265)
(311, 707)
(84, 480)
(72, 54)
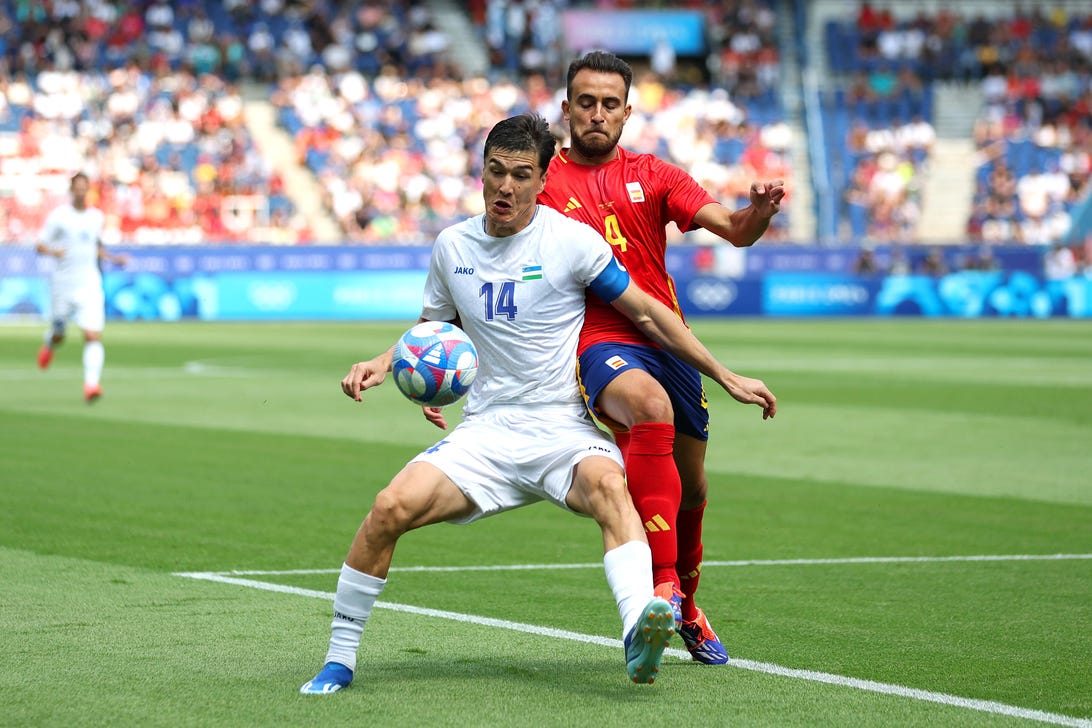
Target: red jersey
(628, 200)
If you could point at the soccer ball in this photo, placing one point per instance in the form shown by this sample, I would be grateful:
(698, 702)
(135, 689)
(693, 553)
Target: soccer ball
(434, 364)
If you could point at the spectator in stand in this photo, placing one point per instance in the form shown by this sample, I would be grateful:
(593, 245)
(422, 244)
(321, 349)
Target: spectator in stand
(1060, 263)
(933, 264)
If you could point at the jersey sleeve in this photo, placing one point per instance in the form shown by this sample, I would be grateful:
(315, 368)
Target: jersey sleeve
(589, 254)
(438, 304)
(684, 195)
(612, 282)
(49, 230)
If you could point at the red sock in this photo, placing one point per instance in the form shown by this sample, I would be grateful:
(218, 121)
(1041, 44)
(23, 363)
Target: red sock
(656, 490)
(690, 553)
(621, 439)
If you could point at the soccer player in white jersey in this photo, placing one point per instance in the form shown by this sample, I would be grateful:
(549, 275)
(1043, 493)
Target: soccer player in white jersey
(514, 278)
(72, 234)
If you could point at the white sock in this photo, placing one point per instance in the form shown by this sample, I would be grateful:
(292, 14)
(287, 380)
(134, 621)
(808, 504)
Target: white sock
(356, 594)
(93, 358)
(629, 574)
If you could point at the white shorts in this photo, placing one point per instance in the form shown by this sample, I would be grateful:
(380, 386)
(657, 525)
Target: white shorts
(511, 457)
(84, 306)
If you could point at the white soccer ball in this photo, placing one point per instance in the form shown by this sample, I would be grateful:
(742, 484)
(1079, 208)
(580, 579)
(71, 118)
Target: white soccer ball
(434, 364)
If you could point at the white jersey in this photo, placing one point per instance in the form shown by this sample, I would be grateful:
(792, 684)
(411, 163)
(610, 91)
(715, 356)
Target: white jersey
(77, 232)
(521, 300)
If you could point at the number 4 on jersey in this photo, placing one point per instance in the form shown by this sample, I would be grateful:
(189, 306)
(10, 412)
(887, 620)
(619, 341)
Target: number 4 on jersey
(612, 231)
(505, 300)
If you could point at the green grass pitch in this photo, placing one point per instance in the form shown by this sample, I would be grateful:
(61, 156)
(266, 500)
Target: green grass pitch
(830, 538)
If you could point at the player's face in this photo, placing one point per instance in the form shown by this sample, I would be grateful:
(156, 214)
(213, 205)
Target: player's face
(596, 114)
(79, 192)
(512, 182)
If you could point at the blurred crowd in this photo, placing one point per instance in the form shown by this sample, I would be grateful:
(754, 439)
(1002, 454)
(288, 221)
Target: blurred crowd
(1033, 136)
(123, 92)
(400, 158)
(146, 97)
(398, 154)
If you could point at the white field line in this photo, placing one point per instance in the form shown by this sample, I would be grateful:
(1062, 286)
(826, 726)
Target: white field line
(705, 564)
(984, 706)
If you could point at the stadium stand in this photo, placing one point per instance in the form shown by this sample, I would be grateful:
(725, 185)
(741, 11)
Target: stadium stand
(397, 150)
(148, 97)
(1031, 137)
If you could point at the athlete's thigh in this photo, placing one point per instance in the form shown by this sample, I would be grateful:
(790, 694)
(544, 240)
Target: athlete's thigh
(90, 310)
(564, 446)
(684, 387)
(480, 458)
(620, 385)
(62, 303)
(586, 477)
(423, 494)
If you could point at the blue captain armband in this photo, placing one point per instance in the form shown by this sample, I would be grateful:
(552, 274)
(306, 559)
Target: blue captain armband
(610, 284)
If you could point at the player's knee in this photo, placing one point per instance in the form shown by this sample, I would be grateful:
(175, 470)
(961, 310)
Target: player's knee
(611, 491)
(694, 493)
(389, 514)
(642, 400)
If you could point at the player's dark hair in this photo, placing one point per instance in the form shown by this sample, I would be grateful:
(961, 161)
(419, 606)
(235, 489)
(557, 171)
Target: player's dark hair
(78, 175)
(602, 61)
(523, 133)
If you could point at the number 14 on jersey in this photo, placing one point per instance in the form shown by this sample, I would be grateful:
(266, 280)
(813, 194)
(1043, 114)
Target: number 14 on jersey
(500, 300)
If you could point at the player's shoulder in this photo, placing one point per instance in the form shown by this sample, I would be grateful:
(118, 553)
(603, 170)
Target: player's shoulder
(645, 162)
(561, 223)
(559, 161)
(469, 228)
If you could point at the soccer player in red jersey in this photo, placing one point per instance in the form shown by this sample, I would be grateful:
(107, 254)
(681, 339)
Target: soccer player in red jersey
(654, 402)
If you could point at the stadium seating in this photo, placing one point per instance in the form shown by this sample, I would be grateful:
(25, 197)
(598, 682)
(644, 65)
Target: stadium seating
(147, 97)
(396, 151)
(1032, 134)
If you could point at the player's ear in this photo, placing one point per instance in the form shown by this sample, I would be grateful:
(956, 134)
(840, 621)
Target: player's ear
(565, 109)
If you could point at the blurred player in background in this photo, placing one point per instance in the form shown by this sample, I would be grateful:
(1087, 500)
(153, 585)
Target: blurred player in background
(72, 234)
(654, 402)
(515, 278)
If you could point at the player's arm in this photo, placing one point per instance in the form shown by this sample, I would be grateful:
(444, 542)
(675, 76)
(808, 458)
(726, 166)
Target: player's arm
(46, 249)
(367, 374)
(746, 225)
(111, 257)
(371, 373)
(660, 324)
(45, 238)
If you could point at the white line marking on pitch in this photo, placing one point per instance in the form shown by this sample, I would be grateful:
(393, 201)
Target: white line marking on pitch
(984, 706)
(769, 562)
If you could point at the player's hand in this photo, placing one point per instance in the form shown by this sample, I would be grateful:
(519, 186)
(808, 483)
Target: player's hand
(753, 391)
(435, 415)
(766, 196)
(363, 375)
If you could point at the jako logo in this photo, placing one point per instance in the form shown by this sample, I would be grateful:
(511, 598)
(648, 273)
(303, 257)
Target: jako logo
(462, 270)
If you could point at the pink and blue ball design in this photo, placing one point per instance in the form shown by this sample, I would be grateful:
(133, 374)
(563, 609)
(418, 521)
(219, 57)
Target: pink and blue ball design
(434, 364)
